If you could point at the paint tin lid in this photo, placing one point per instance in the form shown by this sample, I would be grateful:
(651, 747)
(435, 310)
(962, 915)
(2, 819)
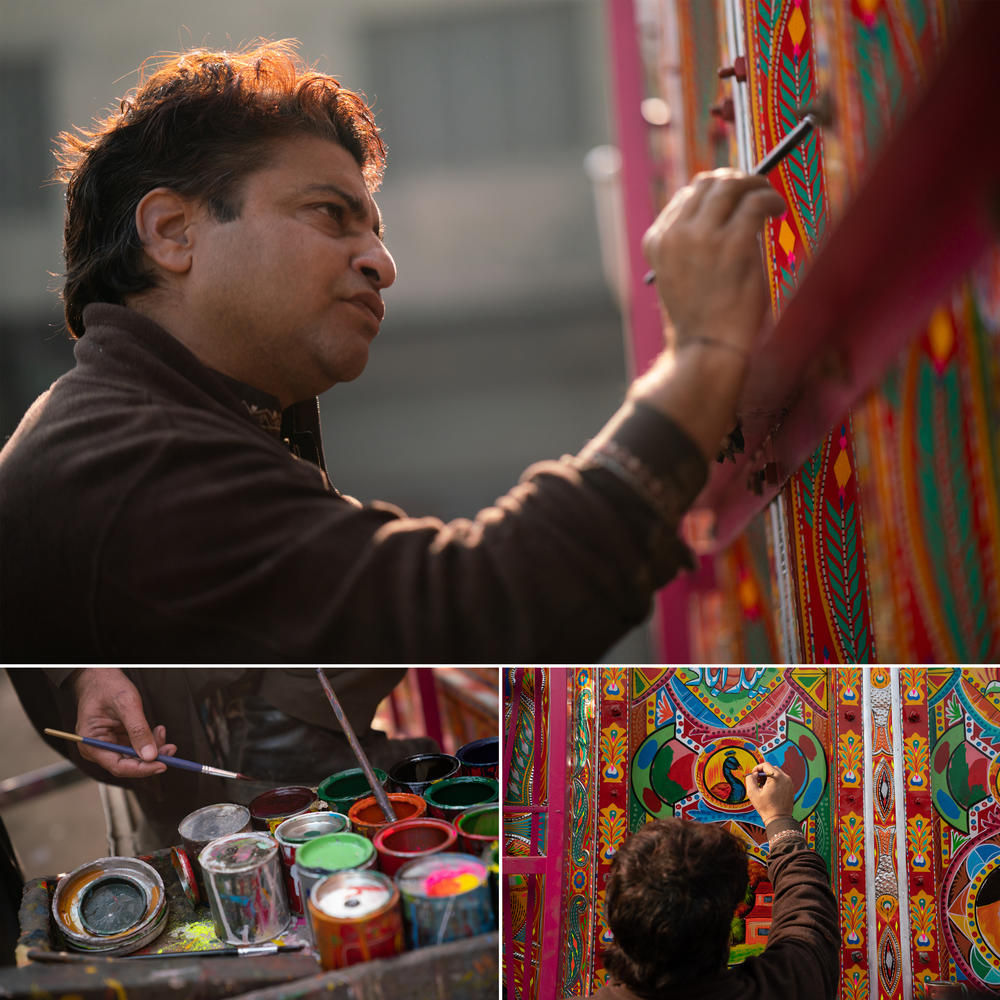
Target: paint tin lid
(282, 802)
(113, 906)
(185, 874)
(353, 895)
(441, 875)
(334, 852)
(239, 852)
(212, 822)
(299, 829)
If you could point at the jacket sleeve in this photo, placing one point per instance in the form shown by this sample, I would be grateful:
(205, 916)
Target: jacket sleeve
(801, 959)
(254, 559)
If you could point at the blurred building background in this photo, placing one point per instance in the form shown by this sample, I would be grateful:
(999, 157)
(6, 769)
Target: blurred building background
(502, 343)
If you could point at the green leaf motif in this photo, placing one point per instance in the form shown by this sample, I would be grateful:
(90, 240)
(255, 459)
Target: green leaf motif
(842, 564)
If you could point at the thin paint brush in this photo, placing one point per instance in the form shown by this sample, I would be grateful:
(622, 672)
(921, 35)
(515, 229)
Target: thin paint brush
(377, 790)
(184, 765)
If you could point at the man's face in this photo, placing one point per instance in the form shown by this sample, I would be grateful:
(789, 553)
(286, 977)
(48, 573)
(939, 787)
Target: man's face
(290, 291)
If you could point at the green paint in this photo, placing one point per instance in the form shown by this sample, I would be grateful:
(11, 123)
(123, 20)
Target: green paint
(334, 852)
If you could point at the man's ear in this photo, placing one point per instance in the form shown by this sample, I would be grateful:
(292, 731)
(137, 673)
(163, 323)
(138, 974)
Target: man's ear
(163, 220)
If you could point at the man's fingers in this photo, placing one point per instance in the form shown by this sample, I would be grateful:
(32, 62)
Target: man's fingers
(729, 194)
(116, 764)
(129, 707)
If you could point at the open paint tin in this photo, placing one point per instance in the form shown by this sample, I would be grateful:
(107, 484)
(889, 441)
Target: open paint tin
(407, 839)
(341, 790)
(269, 810)
(415, 774)
(478, 829)
(480, 758)
(299, 830)
(367, 817)
(112, 906)
(356, 917)
(444, 897)
(245, 887)
(199, 828)
(450, 798)
(326, 855)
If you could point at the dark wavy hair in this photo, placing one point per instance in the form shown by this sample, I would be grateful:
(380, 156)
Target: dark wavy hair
(673, 890)
(199, 122)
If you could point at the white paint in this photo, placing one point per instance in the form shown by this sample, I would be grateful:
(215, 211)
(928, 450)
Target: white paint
(905, 932)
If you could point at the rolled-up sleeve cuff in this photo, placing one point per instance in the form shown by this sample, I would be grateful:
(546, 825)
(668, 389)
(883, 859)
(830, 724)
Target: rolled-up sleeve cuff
(650, 453)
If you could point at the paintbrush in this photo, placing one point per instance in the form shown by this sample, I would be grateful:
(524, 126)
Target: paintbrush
(377, 790)
(245, 951)
(184, 765)
(813, 116)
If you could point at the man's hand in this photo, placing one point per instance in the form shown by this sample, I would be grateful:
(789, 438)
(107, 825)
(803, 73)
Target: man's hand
(770, 791)
(703, 248)
(109, 708)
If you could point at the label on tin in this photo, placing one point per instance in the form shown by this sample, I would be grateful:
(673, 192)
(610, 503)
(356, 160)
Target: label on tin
(442, 875)
(350, 902)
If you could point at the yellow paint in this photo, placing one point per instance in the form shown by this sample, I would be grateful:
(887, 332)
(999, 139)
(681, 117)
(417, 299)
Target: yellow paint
(120, 993)
(869, 6)
(797, 27)
(748, 593)
(842, 469)
(786, 238)
(941, 333)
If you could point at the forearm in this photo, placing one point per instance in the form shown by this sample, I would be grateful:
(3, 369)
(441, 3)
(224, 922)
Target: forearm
(805, 909)
(696, 386)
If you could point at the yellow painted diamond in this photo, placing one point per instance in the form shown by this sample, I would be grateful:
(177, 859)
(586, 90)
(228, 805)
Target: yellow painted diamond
(941, 333)
(786, 237)
(797, 26)
(842, 469)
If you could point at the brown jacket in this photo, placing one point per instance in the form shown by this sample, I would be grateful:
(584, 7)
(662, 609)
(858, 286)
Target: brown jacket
(152, 511)
(801, 960)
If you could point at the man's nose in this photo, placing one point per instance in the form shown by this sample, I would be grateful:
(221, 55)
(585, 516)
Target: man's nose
(376, 264)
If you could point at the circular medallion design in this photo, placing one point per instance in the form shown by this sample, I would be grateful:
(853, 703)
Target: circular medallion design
(970, 909)
(720, 770)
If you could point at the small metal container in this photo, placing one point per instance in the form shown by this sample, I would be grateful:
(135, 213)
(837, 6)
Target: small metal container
(112, 906)
(270, 809)
(199, 828)
(246, 888)
(326, 855)
(480, 758)
(415, 774)
(444, 897)
(367, 816)
(357, 917)
(407, 839)
(342, 789)
(450, 798)
(299, 830)
(478, 829)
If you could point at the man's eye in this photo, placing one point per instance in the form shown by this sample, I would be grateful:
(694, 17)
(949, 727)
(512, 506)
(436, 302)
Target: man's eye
(334, 211)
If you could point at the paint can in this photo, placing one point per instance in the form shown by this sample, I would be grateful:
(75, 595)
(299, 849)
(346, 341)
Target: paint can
(112, 906)
(184, 870)
(293, 833)
(326, 855)
(357, 917)
(341, 790)
(199, 828)
(367, 817)
(444, 897)
(450, 798)
(414, 774)
(245, 888)
(270, 809)
(407, 839)
(478, 829)
(480, 758)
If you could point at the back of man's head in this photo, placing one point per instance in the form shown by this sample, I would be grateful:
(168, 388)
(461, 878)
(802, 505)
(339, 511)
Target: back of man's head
(198, 123)
(671, 896)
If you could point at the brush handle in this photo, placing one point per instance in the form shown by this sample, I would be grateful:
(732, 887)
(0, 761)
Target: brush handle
(185, 765)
